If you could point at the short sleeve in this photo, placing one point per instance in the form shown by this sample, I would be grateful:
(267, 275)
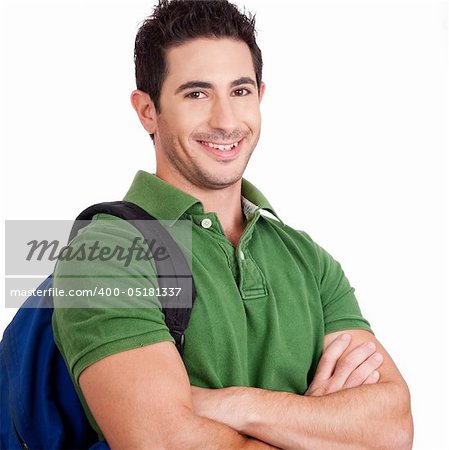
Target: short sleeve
(115, 308)
(341, 310)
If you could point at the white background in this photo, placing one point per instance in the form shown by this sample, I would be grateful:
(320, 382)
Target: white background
(353, 148)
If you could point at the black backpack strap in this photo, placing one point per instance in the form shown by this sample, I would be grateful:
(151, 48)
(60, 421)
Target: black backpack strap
(173, 272)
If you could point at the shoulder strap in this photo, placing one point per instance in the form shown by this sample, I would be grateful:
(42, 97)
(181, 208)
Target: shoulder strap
(173, 272)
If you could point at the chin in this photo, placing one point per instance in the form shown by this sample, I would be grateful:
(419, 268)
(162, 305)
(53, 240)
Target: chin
(219, 181)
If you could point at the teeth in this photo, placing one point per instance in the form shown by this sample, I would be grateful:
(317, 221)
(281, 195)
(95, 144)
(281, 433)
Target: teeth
(220, 147)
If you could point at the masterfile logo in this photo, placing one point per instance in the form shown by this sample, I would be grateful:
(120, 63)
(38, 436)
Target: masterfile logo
(118, 268)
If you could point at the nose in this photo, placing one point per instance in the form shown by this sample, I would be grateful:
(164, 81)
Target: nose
(223, 116)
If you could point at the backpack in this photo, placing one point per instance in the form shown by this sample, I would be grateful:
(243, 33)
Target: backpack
(39, 405)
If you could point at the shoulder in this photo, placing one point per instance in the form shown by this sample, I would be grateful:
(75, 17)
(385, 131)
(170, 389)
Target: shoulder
(295, 240)
(108, 246)
(106, 228)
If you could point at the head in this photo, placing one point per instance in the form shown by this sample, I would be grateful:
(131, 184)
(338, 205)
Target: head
(199, 85)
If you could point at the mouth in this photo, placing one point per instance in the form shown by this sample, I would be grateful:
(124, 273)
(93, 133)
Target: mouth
(224, 150)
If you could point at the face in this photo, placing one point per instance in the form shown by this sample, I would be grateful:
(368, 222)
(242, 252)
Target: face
(210, 117)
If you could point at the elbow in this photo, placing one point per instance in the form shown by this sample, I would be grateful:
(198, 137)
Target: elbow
(399, 430)
(397, 437)
(403, 439)
(401, 436)
(405, 429)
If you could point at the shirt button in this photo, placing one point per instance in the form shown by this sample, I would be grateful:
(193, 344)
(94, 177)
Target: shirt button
(242, 255)
(206, 223)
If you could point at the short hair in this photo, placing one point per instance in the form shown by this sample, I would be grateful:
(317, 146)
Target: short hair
(175, 22)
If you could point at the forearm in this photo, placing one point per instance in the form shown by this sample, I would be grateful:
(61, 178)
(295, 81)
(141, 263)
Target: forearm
(366, 417)
(194, 432)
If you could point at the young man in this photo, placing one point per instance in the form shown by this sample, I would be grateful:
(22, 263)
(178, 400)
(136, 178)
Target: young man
(276, 338)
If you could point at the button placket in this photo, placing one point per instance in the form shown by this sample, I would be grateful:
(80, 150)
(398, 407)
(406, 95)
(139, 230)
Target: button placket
(252, 282)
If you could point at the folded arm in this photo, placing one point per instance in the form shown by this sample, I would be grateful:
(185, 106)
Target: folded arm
(368, 416)
(141, 399)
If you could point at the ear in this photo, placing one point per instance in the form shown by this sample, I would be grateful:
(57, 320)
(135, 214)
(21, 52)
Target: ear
(145, 109)
(261, 90)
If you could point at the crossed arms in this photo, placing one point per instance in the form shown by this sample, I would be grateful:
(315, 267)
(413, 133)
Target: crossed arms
(142, 399)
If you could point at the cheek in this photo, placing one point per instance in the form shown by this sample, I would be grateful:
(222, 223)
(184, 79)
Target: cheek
(170, 127)
(185, 120)
(252, 118)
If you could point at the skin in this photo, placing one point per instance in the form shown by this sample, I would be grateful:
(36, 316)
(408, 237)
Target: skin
(344, 407)
(142, 398)
(222, 113)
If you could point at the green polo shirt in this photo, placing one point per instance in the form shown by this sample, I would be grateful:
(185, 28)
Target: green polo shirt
(261, 311)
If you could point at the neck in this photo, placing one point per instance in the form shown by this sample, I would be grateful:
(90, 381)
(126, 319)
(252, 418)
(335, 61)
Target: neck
(225, 202)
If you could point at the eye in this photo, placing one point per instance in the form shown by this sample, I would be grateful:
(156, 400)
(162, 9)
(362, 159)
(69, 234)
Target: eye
(241, 92)
(195, 94)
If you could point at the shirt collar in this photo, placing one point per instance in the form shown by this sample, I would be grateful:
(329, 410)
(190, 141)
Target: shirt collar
(166, 202)
(159, 198)
(251, 193)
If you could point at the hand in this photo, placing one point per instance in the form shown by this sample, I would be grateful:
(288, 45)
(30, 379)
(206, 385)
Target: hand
(335, 373)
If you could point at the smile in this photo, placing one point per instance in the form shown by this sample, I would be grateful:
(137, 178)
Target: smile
(222, 147)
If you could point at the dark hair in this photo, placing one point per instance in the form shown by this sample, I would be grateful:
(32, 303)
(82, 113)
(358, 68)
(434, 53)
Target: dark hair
(177, 21)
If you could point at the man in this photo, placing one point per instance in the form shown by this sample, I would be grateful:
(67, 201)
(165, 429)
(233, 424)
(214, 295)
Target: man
(276, 338)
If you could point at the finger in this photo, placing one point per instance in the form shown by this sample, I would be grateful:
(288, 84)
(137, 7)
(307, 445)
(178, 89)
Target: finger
(361, 374)
(373, 378)
(329, 358)
(346, 365)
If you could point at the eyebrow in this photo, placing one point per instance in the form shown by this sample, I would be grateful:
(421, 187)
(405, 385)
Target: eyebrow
(207, 85)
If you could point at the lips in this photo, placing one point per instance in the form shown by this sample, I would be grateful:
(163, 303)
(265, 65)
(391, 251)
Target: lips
(220, 146)
(224, 150)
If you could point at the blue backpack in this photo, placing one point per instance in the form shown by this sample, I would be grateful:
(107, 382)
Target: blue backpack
(39, 405)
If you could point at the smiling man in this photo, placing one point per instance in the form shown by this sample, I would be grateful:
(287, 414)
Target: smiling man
(277, 353)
